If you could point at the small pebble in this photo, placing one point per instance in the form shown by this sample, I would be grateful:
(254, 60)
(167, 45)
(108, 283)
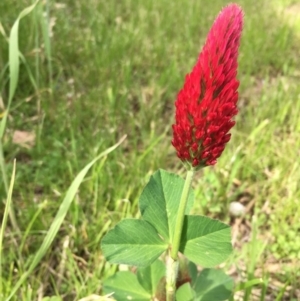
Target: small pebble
(236, 209)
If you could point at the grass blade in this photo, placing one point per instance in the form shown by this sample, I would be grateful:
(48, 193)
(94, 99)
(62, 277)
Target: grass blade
(47, 41)
(59, 218)
(5, 217)
(14, 62)
(14, 75)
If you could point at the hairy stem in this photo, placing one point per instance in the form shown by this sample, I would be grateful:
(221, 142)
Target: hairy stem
(180, 215)
(172, 269)
(172, 260)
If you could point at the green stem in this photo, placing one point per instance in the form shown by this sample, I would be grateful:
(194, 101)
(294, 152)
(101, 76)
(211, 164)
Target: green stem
(172, 260)
(180, 215)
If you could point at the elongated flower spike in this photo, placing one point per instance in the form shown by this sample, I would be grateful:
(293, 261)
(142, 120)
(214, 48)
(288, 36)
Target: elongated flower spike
(207, 102)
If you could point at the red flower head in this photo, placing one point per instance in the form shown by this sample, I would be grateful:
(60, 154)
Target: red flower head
(207, 102)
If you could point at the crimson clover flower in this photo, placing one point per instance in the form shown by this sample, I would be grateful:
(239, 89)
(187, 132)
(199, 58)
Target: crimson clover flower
(207, 102)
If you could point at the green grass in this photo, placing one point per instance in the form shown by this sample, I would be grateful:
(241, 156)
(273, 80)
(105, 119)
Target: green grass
(110, 68)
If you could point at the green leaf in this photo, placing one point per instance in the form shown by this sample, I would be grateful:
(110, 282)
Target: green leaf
(205, 241)
(133, 242)
(159, 202)
(185, 293)
(125, 286)
(150, 276)
(213, 285)
(193, 271)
